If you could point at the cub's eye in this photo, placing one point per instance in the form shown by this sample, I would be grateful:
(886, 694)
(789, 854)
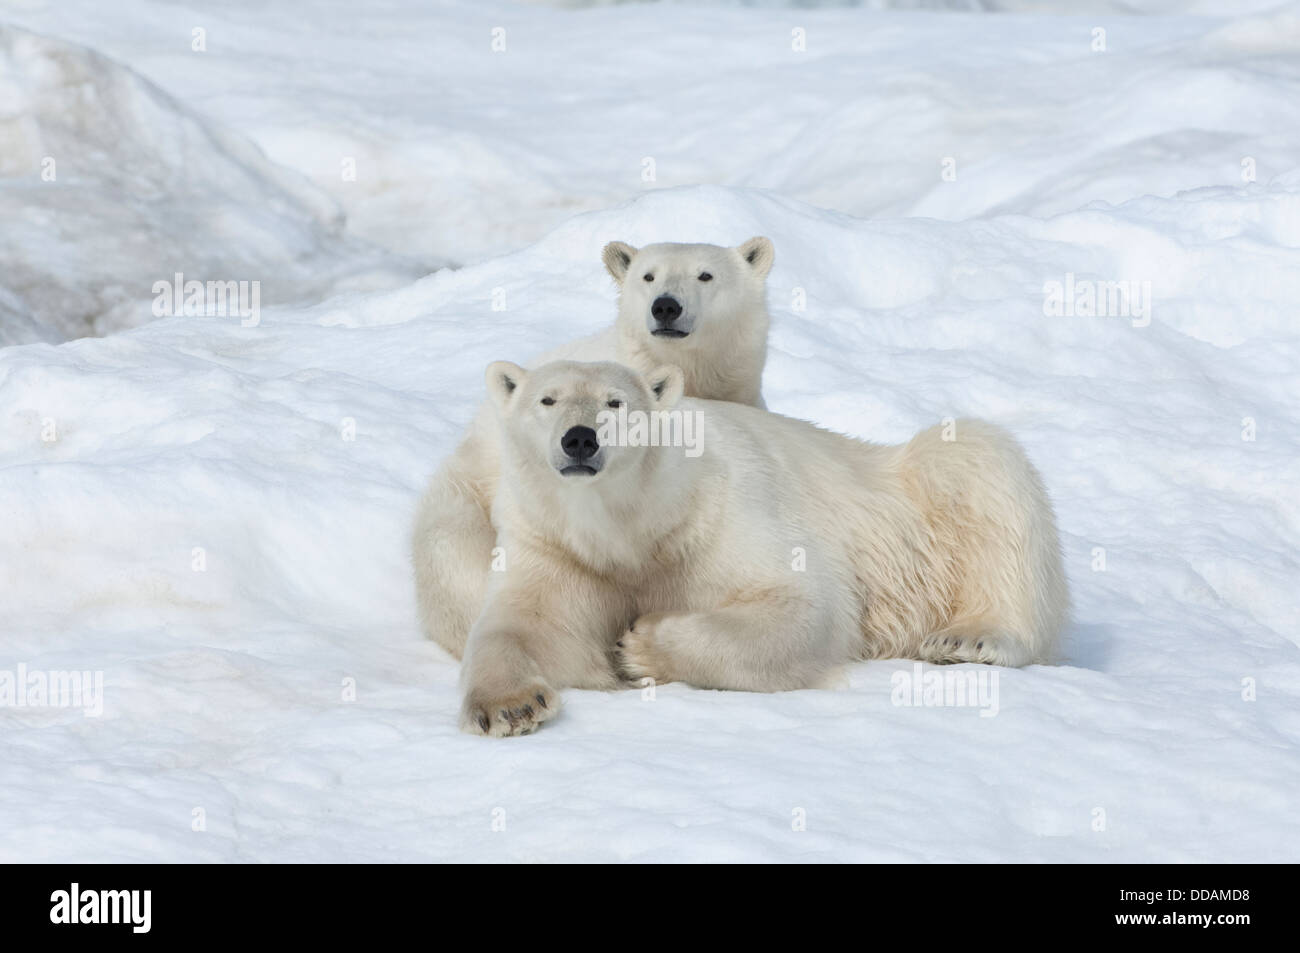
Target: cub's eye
(547, 401)
(649, 277)
(614, 404)
(705, 276)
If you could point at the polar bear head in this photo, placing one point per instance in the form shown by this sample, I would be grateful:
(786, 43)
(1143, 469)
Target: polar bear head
(553, 419)
(679, 296)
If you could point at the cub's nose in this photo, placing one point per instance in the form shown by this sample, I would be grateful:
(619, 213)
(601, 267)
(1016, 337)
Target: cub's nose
(579, 443)
(665, 309)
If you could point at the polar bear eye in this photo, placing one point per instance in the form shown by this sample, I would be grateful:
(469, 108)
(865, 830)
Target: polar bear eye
(614, 404)
(705, 276)
(547, 401)
(649, 277)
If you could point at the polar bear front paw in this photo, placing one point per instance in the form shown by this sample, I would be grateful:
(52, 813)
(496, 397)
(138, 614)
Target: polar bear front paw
(639, 653)
(986, 648)
(516, 712)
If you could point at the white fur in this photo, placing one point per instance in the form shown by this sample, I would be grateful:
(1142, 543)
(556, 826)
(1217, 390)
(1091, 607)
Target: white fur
(677, 568)
(722, 358)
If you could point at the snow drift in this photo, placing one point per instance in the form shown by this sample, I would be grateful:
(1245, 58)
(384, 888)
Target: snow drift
(462, 151)
(108, 184)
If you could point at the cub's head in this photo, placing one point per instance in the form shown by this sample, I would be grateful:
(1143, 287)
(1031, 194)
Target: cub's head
(675, 295)
(553, 418)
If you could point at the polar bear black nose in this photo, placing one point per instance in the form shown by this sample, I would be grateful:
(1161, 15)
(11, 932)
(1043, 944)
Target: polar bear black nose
(579, 443)
(665, 309)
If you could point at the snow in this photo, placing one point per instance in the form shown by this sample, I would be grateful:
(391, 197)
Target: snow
(137, 187)
(284, 459)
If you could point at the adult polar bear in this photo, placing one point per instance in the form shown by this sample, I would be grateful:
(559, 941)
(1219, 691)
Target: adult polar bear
(700, 307)
(651, 562)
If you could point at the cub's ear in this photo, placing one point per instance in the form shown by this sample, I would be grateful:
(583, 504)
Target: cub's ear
(759, 254)
(503, 381)
(617, 256)
(666, 384)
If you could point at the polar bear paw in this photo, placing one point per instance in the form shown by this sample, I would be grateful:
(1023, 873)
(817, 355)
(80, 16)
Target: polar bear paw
(503, 714)
(639, 653)
(986, 648)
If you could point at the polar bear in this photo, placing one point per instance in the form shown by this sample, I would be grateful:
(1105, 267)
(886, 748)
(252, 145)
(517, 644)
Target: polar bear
(763, 560)
(700, 307)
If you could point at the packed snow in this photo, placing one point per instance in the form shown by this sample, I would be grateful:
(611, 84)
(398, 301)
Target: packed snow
(211, 513)
(107, 183)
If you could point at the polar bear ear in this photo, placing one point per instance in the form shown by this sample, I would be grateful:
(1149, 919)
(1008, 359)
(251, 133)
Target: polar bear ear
(503, 381)
(759, 254)
(617, 256)
(666, 384)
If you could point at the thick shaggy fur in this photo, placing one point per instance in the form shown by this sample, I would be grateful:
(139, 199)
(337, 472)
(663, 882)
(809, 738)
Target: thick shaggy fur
(722, 358)
(780, 553)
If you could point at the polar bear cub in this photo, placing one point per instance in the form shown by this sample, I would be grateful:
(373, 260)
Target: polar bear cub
(700, 307)
(765, 559)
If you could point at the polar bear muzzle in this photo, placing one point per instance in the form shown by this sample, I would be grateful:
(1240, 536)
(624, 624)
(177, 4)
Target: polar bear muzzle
(666, 317)
(580, 447)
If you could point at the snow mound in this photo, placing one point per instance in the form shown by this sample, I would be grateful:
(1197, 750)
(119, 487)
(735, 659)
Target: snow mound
(107, 185)
(462, 150)
(215, 517)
